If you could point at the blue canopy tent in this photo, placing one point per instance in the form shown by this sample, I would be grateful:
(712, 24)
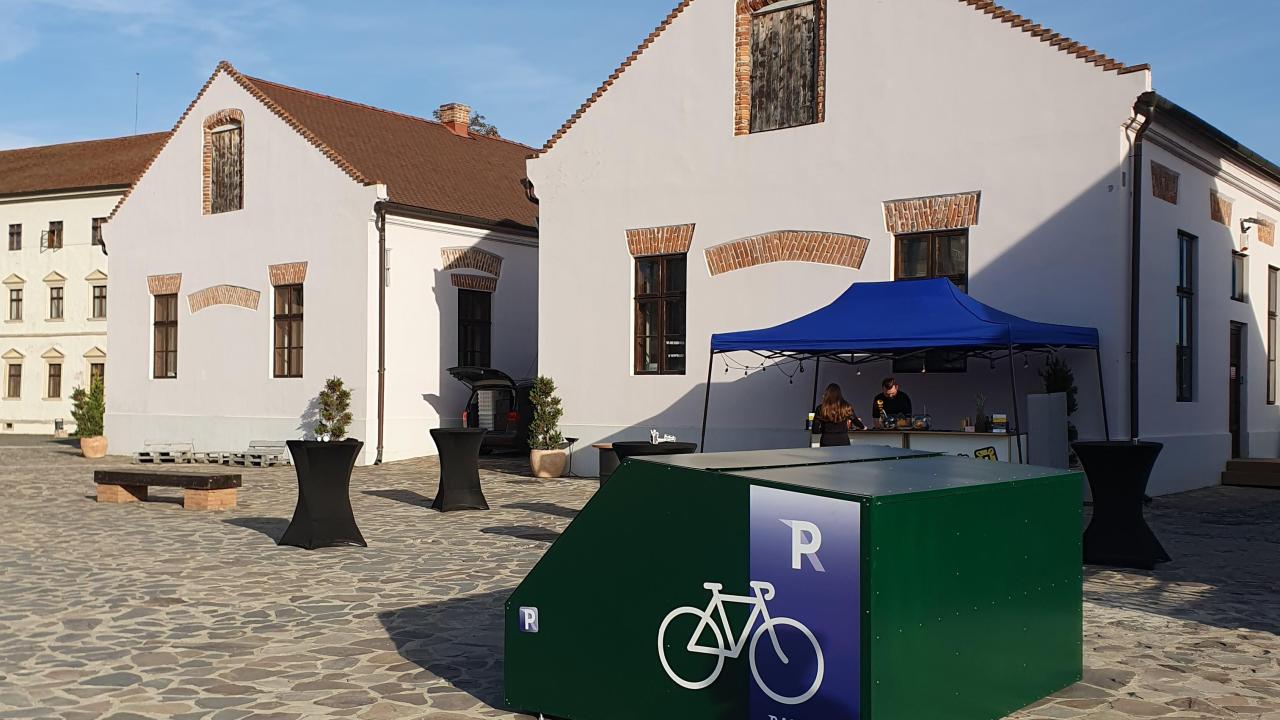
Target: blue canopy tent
(871, 322)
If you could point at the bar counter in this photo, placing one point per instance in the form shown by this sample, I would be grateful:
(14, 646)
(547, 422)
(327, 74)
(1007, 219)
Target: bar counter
(943, 441)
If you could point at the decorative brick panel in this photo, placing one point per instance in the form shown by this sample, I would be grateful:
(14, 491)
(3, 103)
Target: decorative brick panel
(474, 282)
(218, 119)
(788, 246)
(224, 295)
(288, 273)
(1220, 208)
(164, 284)
(668, 240)
(470, 258)
(1267, 231)
(938, 212)
(742, 63)
(1164, 183)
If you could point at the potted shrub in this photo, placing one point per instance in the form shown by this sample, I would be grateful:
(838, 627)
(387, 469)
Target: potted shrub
(323, 516)
(87, 409)
(1059, 378)
(547, 454)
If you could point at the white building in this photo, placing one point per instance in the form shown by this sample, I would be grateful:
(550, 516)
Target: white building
(53, 266)
(913, 138)
(264, 191)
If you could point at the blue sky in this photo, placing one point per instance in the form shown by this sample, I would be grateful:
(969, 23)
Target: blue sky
(67, 66)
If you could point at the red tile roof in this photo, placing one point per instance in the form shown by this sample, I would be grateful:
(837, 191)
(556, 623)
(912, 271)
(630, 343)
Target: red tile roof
(421, 162)
(116, 162)
(1062, 43)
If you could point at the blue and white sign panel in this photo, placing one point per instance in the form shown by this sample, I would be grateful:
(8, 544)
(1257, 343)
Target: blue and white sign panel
(805, 654)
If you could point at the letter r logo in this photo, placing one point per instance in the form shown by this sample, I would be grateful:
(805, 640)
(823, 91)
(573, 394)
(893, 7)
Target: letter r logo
(528, 619)
(806, 540)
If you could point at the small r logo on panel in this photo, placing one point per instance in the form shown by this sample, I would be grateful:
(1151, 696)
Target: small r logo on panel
(528, 620)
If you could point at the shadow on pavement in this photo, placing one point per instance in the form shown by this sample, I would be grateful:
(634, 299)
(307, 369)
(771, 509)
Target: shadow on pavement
(458, 640)
(524, 532)
(272, 527)
(545, 508)
(408, 497)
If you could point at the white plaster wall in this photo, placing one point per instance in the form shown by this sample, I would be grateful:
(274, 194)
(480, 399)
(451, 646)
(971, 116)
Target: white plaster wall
(923, 98)
(298, 207)
(1195, 434)
(422, 327)
(36, 334)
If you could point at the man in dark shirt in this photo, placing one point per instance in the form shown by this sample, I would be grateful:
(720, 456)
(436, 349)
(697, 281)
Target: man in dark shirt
(892, 402)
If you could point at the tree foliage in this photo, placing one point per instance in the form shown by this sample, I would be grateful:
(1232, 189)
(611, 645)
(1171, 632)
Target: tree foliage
(335, 410)
(479, 125)
(544, 429)
(87, 409)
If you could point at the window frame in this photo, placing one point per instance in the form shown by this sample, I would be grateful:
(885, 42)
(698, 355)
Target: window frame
(95, 231)
(97, 374)
(51, 392)
(15, 237)
(9, 391)
(1239, 276)
(288, 315)
(755, 124)
(94, 304)
(663, 298)
(1273, 317)
(933, 237)
(231, 204)
(1185, 348)
(57, 300)
(54, 240)
(169, 352)
(15, 304)
(472, 327)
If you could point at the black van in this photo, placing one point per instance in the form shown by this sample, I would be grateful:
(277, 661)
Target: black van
(497, 404)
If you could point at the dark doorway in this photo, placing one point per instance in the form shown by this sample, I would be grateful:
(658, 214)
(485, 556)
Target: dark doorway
(1236, 383)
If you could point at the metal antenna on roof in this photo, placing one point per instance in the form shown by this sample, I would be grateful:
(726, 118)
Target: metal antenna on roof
(137, 91)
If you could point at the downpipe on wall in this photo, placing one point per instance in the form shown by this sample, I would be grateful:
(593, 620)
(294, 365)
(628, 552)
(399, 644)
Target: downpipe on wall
(380, 221)
(1144, 107)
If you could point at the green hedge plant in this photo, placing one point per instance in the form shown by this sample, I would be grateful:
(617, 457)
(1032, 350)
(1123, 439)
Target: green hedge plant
(87, 409)
(544, 429)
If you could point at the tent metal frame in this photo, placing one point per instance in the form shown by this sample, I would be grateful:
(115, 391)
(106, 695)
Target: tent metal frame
(856, 358)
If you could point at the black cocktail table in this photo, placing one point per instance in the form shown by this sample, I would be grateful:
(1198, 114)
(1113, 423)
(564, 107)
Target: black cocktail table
(459, 469)
(1118, 534)
(323, 516)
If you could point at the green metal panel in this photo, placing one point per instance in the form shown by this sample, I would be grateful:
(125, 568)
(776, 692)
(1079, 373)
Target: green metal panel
(975, 598)
(652, 533)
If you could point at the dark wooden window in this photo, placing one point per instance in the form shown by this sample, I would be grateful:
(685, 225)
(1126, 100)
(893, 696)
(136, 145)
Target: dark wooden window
(55, 303)
(1273, 294)
(13, 388)
(15, 236)
(97, 373)
(226, 173)
(96, 230)
(55, 381)
(165, 329)
(1239, 276)
(54, 240)
(661, 282)
(15, 303)
(1185, 352)
(784, 66)
(288, 345)
(99, 302)
(942, 254)
(475, 328)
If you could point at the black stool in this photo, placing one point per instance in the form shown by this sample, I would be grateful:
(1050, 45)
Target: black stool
(459, 469)
(1118, 534)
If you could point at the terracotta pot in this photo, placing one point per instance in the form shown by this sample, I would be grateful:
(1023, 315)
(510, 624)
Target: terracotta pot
(548, 463)
(93, 447)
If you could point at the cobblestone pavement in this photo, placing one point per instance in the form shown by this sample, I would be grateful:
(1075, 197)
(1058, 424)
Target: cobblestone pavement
(150, 611)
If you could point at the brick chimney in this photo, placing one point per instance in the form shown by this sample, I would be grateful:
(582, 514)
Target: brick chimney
(457, 118)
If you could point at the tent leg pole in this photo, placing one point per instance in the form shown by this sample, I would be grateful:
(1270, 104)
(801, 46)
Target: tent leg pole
(1017, 421)
(1102, 392)
(817, 368)
(706, 402)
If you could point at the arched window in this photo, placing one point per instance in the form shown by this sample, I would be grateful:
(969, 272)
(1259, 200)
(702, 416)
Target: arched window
(224, 162)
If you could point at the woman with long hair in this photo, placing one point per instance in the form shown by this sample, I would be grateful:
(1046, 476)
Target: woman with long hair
(834, 418)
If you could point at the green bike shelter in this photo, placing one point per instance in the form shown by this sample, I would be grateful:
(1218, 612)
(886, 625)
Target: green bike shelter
(825, 584)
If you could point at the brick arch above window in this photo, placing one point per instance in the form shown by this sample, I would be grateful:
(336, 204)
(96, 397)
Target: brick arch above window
(482, 283)
(471, 258)
(224, 295)
(221, 118)
(666, 240)
(788, 246)
(164, 284)
(935, 212)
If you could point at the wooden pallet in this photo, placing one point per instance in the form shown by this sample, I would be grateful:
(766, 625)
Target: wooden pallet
(262, 453)
(165, 454)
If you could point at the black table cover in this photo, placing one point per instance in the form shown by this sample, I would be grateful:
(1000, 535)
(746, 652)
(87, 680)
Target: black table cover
(459, 469)
(323, 516)
(1118, 534)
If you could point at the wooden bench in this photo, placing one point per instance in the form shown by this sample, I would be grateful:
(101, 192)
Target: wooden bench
(201, 491)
